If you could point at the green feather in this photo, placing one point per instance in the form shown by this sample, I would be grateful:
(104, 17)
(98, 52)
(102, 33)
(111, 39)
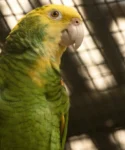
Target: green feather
(32, 99)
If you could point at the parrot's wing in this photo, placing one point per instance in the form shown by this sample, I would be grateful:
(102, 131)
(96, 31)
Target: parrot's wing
(58, 137)
(64, 125)
(59, 106)
(64, 121)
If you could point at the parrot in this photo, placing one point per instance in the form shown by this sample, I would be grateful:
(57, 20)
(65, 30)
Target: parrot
(34, 104)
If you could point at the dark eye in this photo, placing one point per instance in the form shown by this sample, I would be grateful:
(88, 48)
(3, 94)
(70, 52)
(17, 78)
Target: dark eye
(55, 14)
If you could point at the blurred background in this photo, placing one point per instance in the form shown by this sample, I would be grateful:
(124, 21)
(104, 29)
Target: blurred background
(94, 74)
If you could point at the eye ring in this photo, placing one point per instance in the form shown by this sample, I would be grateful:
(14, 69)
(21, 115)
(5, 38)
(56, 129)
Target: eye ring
(55, 14)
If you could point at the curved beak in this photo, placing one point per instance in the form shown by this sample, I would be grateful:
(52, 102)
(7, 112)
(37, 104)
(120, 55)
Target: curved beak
(73, 35)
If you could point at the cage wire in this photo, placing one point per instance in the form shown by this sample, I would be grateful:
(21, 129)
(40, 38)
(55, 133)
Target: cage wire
(95, 73)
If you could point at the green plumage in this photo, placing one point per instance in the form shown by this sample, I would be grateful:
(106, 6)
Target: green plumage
(32, 99)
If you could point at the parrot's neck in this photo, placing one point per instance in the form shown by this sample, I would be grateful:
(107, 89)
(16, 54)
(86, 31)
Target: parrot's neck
(44, 69)
(53, 51)
(47, 62)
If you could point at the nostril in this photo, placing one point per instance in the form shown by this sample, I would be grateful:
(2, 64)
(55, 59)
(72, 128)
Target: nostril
(76, 21)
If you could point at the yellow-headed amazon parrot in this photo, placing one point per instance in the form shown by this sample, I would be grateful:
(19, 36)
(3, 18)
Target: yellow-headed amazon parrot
(33, 102)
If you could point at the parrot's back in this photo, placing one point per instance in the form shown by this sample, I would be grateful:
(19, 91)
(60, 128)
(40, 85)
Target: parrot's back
(30, 113)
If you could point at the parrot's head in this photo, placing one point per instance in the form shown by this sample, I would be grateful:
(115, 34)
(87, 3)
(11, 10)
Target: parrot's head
(64, 23)
(47, 30)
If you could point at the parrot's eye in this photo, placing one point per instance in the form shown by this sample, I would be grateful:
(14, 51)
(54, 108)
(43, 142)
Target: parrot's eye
(56, 15)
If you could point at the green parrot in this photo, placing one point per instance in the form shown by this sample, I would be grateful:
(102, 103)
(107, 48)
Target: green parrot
(33, 101)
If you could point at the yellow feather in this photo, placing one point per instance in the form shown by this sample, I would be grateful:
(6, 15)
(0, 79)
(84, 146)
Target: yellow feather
(39, 68)
(62, 126)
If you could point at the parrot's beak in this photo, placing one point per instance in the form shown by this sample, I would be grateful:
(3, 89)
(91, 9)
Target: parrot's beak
(73, 34)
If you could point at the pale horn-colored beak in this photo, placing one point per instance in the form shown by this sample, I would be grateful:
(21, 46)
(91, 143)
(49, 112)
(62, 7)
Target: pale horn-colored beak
(73, 35)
